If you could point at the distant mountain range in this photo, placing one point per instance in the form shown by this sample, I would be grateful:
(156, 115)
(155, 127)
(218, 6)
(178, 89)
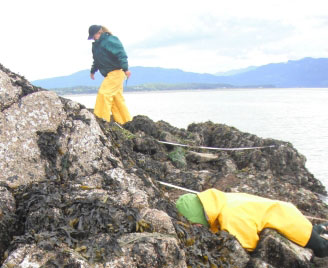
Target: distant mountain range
(307, 72)
(237, 71)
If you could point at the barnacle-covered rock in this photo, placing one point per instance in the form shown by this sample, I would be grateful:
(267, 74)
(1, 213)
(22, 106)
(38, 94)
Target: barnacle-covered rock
(201, 157)
(277, 172)
(77, 191)
(36, 256)
(159, 220)
(13, 87)
(153, 250)
(21, 160)
(205, 249)
(8, 219)
(274, 249)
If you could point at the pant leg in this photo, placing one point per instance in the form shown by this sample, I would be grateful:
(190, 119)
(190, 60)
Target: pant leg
(104, 100)
(120, 111)
(111, 86)
(318, 244)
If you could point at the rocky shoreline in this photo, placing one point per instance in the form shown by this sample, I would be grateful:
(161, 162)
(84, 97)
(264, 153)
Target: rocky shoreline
(80, 192)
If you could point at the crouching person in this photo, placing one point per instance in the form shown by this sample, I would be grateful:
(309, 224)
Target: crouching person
(245, 216)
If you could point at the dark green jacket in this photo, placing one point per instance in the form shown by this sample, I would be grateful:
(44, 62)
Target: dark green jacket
(108, 55)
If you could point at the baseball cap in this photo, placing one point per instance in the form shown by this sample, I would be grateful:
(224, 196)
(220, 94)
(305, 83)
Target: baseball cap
(93, 29)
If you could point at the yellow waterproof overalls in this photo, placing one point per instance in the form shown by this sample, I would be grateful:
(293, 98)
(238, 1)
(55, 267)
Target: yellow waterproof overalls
(245, 216)
(110, 98)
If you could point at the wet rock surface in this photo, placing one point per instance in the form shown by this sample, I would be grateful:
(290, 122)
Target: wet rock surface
(80, 192)
(275, 250)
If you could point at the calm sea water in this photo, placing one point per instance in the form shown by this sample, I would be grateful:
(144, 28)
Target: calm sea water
(295, 115)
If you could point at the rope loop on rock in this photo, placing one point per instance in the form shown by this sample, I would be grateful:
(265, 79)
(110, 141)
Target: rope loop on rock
(210, 148)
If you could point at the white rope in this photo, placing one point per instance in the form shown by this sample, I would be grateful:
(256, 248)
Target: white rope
(118, 125)
(315, 218)
(178, 187)
(218, 149)
(209, 148)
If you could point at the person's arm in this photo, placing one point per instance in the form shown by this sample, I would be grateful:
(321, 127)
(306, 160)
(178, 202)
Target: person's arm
(94, 69)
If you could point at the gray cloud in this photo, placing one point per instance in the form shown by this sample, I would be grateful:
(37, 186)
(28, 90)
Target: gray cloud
(221, 34)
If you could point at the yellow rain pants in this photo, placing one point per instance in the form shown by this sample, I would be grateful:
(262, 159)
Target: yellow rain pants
(110, 100)
(245, 216)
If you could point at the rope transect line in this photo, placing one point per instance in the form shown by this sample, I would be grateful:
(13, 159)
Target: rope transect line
(218, 149)
(211, 148)
(178, 187)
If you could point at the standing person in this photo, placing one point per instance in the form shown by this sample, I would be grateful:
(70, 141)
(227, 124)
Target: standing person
(110, 59)
(245, 216)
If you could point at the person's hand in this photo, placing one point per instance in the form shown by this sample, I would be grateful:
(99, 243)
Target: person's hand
(92, 76)
(128, 74)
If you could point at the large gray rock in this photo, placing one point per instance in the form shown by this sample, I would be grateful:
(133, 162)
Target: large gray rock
(79, 192)
(21, 160)
(151, 250)
(277, 172)
(8, 219)
(11, 89)
(75, 204)
(274, 250)
(27, 256)
(282, 161)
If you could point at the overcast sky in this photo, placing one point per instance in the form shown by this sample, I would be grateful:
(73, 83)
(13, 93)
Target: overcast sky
(42, 39)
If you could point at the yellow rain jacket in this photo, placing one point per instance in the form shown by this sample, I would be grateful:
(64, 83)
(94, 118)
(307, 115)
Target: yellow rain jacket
(245, 216)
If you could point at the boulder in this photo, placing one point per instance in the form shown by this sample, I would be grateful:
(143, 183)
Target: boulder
(39, 256)
(13, 87)
(276, 171)
(274, 249)
(8, 220)
(77, 191)
(201, 157)
(21, 159)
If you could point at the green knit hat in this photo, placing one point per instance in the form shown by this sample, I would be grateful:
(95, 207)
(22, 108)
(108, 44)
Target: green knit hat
(190, 206)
